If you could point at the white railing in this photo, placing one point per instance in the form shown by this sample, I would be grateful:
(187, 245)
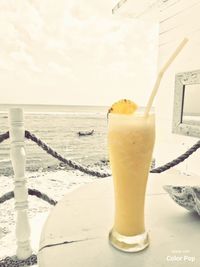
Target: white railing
(18, 158)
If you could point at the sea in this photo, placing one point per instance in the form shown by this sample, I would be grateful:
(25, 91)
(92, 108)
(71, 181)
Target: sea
(58, 127)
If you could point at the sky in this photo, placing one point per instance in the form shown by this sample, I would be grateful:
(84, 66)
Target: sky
(74, 53)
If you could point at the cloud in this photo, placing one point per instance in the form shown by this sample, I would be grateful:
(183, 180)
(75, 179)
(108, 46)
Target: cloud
(78, 43)
(57, 69)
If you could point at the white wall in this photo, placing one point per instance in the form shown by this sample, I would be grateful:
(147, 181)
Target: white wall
(177, 20)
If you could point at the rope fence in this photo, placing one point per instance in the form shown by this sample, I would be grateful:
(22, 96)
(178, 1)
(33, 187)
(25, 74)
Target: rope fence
(4, 136)
(14, 261)
(83, 169)
(32, 192)
(56, 155)
(178, 160)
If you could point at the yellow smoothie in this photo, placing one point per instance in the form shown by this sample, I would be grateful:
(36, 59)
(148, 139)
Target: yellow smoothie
(131, 141)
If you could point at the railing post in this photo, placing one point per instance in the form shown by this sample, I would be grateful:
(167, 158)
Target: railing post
(18, 158)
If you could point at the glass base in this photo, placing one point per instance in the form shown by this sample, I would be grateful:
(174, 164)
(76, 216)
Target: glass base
(129, 243)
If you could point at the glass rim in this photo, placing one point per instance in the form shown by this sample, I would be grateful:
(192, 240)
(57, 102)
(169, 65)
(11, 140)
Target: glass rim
(134, 115)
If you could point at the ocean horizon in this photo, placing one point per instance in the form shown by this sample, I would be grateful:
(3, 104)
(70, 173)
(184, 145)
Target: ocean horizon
(47, 108)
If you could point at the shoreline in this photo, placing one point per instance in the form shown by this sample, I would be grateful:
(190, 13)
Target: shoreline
(101, 165)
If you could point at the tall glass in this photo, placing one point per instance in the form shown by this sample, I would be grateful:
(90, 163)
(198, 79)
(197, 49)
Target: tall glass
(131, 141)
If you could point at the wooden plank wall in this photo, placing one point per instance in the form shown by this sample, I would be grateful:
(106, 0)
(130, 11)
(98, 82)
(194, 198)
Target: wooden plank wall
(178, 18)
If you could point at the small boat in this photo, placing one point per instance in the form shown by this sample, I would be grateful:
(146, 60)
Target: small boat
(86, 133)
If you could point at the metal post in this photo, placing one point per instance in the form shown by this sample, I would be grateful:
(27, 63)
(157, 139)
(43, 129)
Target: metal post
(18, 158)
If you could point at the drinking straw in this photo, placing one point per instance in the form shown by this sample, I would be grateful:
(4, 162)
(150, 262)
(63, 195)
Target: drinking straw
(160, 75)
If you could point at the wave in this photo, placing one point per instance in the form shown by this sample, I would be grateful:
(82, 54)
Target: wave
(5, 160)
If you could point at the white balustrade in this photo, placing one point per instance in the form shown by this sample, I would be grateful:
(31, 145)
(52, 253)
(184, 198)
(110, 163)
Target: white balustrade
(18, 158)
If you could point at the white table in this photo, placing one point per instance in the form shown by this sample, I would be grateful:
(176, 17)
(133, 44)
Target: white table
(76, 231)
